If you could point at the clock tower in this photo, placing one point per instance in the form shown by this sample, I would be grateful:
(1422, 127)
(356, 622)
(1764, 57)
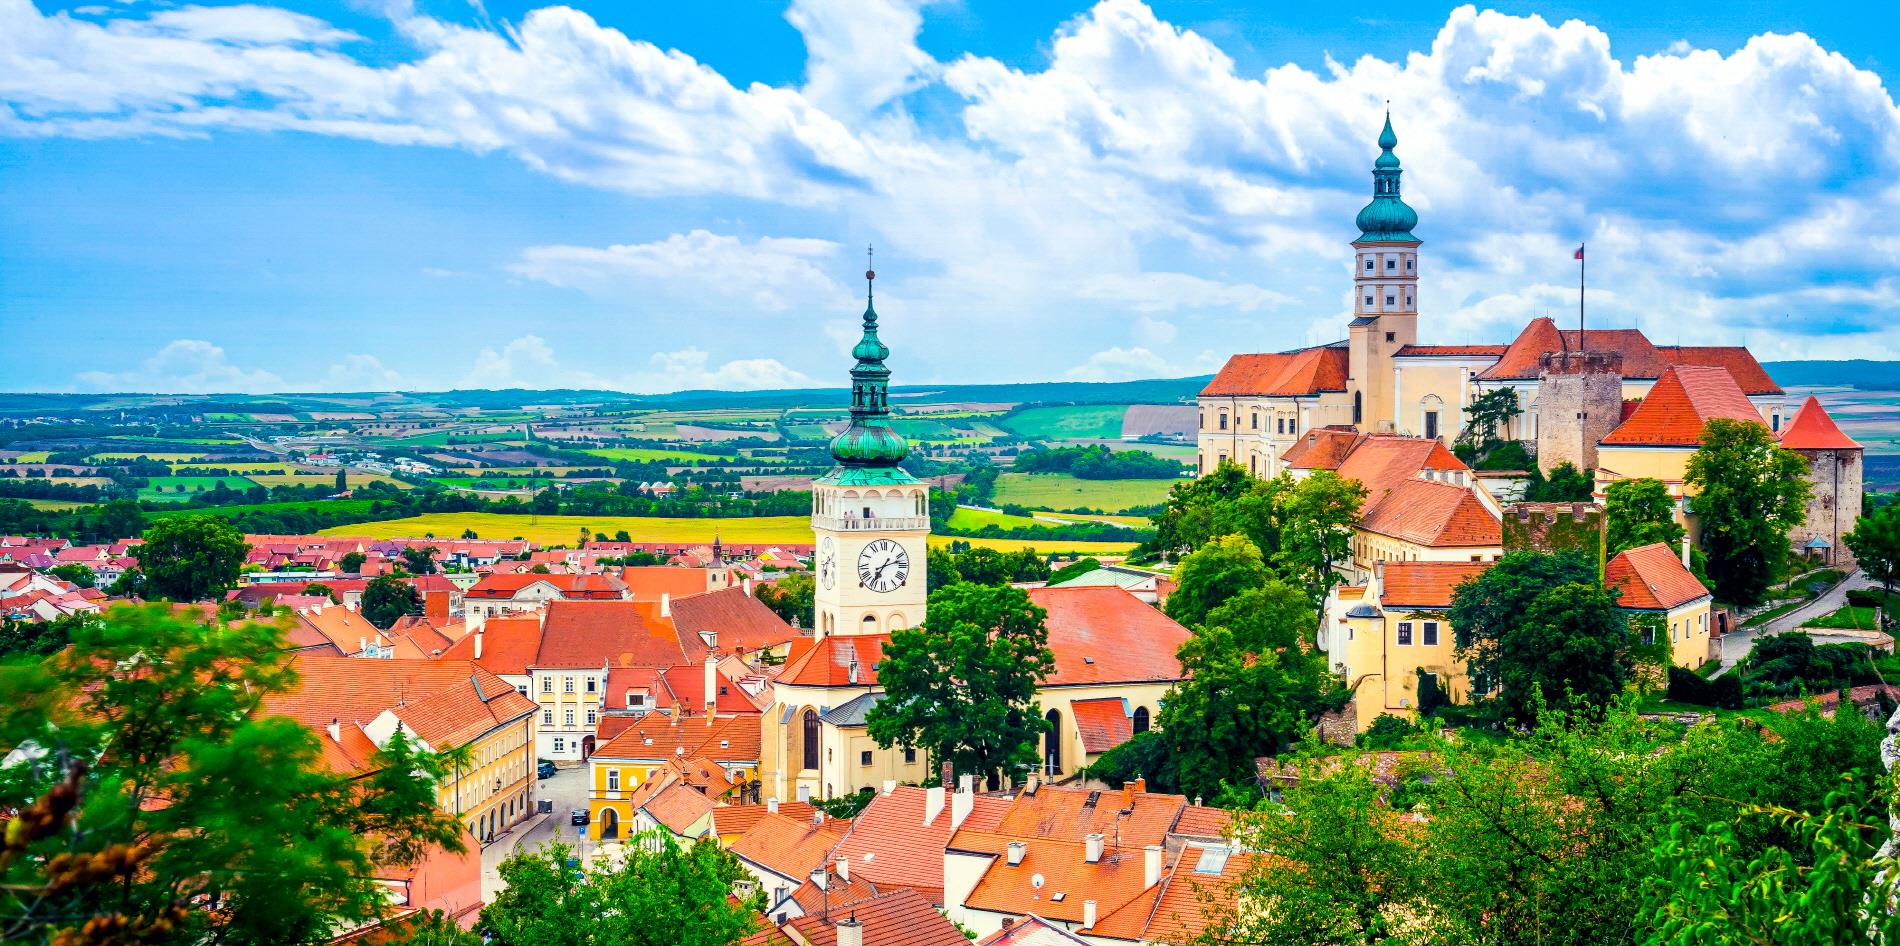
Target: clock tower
(871, 520)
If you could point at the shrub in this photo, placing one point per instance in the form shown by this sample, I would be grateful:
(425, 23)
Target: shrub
(1686, 686)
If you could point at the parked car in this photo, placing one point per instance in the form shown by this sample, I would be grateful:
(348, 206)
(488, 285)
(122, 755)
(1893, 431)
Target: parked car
(544, 769)
(580, 816)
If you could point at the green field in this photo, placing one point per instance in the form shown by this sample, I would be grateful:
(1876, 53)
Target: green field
(334, 505)
(1058, 491)
(565, 530)
(33, 456)
(978, 518)
(641, 454)
(1078, 422)
(58, 505)
(178, 489)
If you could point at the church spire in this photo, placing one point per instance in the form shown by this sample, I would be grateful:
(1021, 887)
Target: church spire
(1387, 218)
(870, 441)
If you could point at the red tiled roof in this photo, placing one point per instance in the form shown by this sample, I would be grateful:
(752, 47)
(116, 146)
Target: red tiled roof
(1740, 362)
(1522, 359)
(1177, 912)
(591, 587)
(1682, 401)
(1287, 374)
(614, 633)
(1813, 429)
(688, 685)
(1431, 513)
(1200, 821)
(737, 620)
(898, 918)
(649, 582)
(892, 845)
(696, 735)
(1381, 461)
(446, 703)
(829, 662)
(1425, 584)
(1102, 724)
(1652, 578)
(678, 806)
(787, 846)
(1493, 350)
(508, 644)
(1323, 448)
(1104, 634)
(738, 819)
(1111, 882)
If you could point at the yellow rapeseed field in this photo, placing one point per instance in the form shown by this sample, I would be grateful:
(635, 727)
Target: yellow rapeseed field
(565, 530)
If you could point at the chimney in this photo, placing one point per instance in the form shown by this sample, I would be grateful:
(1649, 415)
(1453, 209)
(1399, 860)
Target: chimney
(1088, 914)
(961, 802)
(947, 775)
(890, 785)
(336, 731)
(1034, 782)
(817, 816)
(748, 587)
(478, 645)
(1016, 851)
(851, 932)
(1685, 550)
(1130, 789)
(771, 805)
(666, 604)
(819, 878)
(933, 803)
(1150, 866)
(712, 684)
(844, 869)
(1093, 849)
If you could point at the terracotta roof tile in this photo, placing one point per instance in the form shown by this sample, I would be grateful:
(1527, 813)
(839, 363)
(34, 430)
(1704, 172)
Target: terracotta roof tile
(737, 621)
(1652, 578)
(1416, 350)
(1286, 374)
(1382, 461)
(1067, 880)
(1522, 359)
(613, 633)
(1425, 584)
(899, 918)
(837, 660)
(446, 703)
(678, 806)
(1178, 913)
(649, 582)
(697, 736)
(789, 847)
(1433, 514)
(738, 819)
(1682, 401)
(1102, 724)
(892, 845)
(1813, 429)
(575, 587)
(1104, 634)
(1323, 448)
(1740, 362)
(1200, 821)
(508, 644)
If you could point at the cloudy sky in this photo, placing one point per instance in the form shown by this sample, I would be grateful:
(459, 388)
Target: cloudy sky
(424, 194)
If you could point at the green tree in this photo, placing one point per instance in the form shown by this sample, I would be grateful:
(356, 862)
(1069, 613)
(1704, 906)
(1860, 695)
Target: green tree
(1235, 706)
(78, 573)
(387, 598)
(1565, 484)
(1266, 619)
(351, 563)
(1748, 493)
(1486, 418)
(1316, 524)
(984, 566)
(963, 686)
(161, 804)
(342, 482)
(1074, 569)
(941, 568)
(540, 568)
(1571, 639)
(790, 597)
(1875, 542)
(1227, 501)
(1211, 575)
(419, 561)
(1145, 755)
(1639, 512)
(39, 638)
(1486, 608)
(319, 588)
(663, 894)
(191, 558)
(119, 519)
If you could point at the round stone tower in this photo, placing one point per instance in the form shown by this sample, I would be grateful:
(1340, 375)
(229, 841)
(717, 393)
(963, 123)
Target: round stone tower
(1579, 401)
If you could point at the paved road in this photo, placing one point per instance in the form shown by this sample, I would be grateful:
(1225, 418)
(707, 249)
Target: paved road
(568, 790)
(1738, 643)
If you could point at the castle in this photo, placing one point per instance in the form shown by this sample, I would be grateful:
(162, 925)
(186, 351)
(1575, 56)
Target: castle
(1604, 400)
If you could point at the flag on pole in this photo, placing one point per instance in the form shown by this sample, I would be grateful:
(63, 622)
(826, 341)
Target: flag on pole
(1580, 251)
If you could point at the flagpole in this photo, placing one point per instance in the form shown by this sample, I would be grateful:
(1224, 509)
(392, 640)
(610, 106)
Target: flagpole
(1582, 345)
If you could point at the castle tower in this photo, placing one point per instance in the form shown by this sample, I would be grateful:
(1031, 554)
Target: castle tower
(871, 519)
(1579, 401)
(1385, 292)
(1835, 471)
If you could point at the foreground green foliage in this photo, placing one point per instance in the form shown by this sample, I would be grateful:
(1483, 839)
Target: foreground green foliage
(1748, 493)
(662, 895)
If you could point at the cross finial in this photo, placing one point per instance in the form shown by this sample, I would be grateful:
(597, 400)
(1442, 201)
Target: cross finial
(870, 274)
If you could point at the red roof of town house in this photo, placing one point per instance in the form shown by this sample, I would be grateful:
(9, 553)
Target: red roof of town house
(898, 918)
(1072, 814)
(1433, 514)
(677, 805)
(737, 621)
(1813, 429)
(1286, 374)
(1176, 911)
(687, 686)
(573, 587)
(1103, 724)
(1032, 930)
(1740, 362)
(1323, 448)
(446, 703)
(649, 582)
(789, 847)
(1067, 879)
(1523, 358)
(1652, 578)
(723, 739)
(1682, 401)
(1381, 461)
(1451, 350)
(1104, 634)
(892, 845)
(1201, 821)
(508, 644)
(838, 660)
(1425, 584)
(738, 819)
(607, 633)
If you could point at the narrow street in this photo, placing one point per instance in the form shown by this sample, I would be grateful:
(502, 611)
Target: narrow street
(568, 791)
(1738, 643)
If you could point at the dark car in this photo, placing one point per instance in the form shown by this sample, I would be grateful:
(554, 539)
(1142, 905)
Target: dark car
(580, 816)
(545, 769)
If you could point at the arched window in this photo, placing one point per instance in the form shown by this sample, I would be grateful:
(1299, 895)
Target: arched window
(1140, 723)
(1052, 744)
(811, 738)
(870, 624)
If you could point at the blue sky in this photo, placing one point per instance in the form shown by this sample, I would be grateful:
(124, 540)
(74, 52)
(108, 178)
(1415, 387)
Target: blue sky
(387, 194)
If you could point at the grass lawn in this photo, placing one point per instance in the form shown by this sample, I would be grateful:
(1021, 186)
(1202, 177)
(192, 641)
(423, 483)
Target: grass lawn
(1132, 522)
(565, 530)
(58, 505)
(641, 454)
(1775, 612)
(177, 489)
(1078, 422)
(1850, 617)
(1057, 491)
(978, 518)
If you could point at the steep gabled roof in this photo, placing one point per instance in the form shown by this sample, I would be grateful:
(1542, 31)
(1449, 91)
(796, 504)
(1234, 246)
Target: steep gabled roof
(1684, 399)
(610, 633)
(789, 847)
(836, 661)
(1323, 448)
(1523, 358)
(892, 845)
(1103, 724)
(737, 621)
(508, 644)
(1425, 584)
(898, 918)
(1739, 361)
(1286, 374)
(1813, 429)
(730, 740)
(1381, 461)
(1433, 514)
(1652, 578)
(1104, 634)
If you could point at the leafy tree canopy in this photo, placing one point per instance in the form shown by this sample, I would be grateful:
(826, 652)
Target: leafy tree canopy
(190, 558)
(1875, 542)
(1748, 493)
(791, 597)
(387, 598)
(660, 894)
(1213, 574)
(1639, 512)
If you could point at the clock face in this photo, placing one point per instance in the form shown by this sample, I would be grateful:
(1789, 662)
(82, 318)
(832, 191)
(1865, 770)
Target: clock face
(883, 566)
(827, 563)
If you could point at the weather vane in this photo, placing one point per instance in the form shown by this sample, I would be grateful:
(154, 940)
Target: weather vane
(869, 272)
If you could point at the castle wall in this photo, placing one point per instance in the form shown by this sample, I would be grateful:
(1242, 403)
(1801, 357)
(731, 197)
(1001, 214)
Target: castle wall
(1833, 506)
(1579, 402)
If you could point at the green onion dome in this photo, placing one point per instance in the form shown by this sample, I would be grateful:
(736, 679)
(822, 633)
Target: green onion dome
(870, 441)
(1387, 217)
